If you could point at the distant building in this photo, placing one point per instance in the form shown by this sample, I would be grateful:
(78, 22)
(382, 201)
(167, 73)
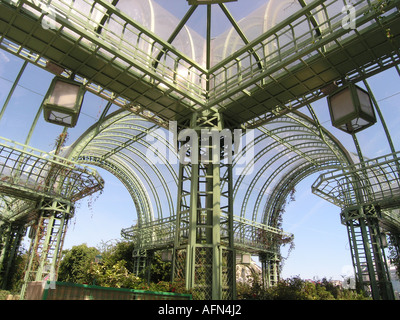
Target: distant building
(245, 272)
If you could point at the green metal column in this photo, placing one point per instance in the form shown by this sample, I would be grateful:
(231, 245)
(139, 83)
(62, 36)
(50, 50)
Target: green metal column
(47, 240)
(204, 256)
(10, 241)
(372, 274)
(139, 261)
(270, 269)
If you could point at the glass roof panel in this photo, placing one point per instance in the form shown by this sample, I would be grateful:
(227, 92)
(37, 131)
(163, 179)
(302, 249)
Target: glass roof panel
(231, 25)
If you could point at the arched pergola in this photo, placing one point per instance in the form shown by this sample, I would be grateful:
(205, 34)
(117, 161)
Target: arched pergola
(198, 66)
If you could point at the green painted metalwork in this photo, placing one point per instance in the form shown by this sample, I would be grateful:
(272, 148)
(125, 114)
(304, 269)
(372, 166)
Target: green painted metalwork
(47, 237)
(204, 225)
(46, 186)
(373, 182)
(261, 94)
(240, 79)
(13, 88)
(31, 174)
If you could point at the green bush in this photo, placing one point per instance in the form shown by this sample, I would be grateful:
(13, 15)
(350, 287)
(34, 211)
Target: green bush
(296, 289)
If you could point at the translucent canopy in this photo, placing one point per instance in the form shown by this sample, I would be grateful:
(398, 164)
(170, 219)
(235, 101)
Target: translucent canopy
(251, 61)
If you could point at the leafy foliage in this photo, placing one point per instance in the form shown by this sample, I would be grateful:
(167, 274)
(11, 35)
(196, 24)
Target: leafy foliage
(296, 289)
(115, 269)
(75, 264)
(16, 275)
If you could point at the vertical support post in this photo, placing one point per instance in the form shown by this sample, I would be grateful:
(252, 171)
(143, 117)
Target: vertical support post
(47, 241)
(10, 240)
(204, 256)
(139, 261)
(367, 251)
(270, 269)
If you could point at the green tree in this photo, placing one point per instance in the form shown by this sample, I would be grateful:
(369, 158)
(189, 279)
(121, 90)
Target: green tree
(119, 251)
(75, 264)
(159, 270)
(115, 275)
(297, 289)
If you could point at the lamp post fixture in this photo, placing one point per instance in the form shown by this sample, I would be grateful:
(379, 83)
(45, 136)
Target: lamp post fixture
(63, 102)
(351, 109)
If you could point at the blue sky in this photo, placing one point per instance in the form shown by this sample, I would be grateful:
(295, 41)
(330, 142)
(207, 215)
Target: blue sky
(321, 244)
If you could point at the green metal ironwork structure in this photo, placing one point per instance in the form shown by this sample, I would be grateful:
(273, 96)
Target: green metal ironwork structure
(259, 75)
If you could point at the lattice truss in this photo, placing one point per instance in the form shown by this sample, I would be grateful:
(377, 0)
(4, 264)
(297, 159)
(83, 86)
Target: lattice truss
(250, 73)
(28, 175)
(261, 72)
(373, 182)
(284, 153)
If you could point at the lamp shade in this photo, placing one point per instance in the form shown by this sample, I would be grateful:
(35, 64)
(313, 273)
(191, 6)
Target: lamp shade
(63, 102)
(243, 258)
(351, 109)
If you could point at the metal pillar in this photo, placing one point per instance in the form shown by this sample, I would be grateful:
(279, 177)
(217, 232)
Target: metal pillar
(47, 240)
(10, 241)
(369, 260)
(204, 255)
(270, 269)
(139, 261)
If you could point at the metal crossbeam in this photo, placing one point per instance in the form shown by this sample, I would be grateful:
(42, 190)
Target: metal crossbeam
(249, 236)
(373, 182)
(292, 74)
(30, 174)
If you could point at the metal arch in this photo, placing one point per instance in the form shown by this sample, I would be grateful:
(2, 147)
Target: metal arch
(276, 201)
(304, 127)
(102, 140)
(277, 156)
(130, 181)
(139, 169)
(278, 171)
(342, 159)
(310, 129)
(129, 148)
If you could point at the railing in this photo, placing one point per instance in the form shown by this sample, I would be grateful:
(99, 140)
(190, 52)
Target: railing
(28, 173)
(318, 25)
(375, 181)
(248, 235)
(100, 27)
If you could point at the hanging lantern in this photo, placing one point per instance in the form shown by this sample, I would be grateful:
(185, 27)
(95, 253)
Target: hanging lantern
(63, 102)
(351, 109)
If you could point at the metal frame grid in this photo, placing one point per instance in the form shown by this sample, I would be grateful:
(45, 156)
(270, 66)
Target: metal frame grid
(259, 85)
(100, 50)
(375, 181)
